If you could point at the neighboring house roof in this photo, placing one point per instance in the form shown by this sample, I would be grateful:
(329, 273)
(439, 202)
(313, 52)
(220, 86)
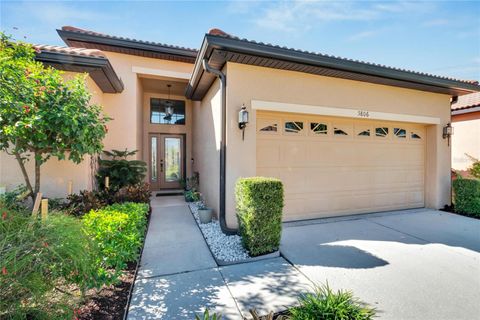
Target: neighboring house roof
(219, 47)
(82, 60)
(466, 104)
(76, 37)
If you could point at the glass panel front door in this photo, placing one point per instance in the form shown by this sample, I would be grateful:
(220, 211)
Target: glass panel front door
(166, 161)
(172, 159)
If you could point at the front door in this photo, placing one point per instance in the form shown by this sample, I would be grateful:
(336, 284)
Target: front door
(166, 165)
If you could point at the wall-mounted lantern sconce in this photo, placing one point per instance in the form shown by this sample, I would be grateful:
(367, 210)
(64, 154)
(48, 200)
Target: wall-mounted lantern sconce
(243, 120)
(448, 132)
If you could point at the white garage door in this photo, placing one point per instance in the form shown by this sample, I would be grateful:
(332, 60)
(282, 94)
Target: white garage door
(336, 166)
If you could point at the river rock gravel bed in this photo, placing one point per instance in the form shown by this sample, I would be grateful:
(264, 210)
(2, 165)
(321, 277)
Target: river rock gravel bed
(223, 247)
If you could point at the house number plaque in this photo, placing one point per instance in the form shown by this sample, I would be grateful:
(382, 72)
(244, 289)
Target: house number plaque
(363, 114)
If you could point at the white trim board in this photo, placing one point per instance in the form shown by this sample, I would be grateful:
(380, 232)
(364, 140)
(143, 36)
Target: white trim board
(161, 73)
(341, 112)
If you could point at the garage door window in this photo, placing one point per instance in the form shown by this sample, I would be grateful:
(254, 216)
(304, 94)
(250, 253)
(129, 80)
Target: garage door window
(400, 133)
(415, 136)
(381, 132)
(293, 127)
(267, 126)
(362, 131)
(319, 128)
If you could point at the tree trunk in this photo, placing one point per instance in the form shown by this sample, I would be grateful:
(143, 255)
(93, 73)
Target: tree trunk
(25, 175)
(37, 173)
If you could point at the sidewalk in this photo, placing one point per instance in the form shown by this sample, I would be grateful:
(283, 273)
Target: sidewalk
(178, 276)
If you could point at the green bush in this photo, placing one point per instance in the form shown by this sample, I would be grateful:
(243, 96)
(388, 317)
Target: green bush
(119, 231)
(37, 258)
(467, 196)
(259, 213)
(324, 304)
(15, 199)
(121, 172)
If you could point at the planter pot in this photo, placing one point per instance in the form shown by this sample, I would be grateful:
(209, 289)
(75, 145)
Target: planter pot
(205, 215)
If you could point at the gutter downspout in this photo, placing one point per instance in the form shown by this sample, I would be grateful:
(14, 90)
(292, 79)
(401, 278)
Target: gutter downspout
(223, 145)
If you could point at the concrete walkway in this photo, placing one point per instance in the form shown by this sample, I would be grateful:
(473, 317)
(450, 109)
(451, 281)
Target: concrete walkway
(178, 277)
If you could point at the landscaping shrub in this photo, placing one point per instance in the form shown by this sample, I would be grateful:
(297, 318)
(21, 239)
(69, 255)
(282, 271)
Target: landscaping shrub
(324, 304)
(121, 172)
(85, 201)
(15, 199)
(139, 193)
(467, 196)
(37, 259)
(259, 213)
(119, 231)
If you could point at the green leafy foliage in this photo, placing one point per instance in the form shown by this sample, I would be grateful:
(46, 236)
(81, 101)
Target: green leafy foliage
(119, 232)
(14, 199)
(474, 169)
(121, 172)
(259, 212)
(192, 195)
(37, 258)
(42, 115)
(207, 316)
(139, 193)
(325, 304)
(467, 196)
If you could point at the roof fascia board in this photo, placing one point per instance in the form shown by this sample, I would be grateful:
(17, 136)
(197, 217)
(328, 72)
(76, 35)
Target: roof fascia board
(240, 46)
(466, 110)
(124, 43)
(205, 51)
(88, 63)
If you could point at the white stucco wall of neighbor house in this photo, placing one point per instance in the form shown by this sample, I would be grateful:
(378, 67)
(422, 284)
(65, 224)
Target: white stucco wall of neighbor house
(246, 83)
(465, 141)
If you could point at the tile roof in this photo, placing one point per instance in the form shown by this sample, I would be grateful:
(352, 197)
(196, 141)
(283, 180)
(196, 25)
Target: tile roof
(467, 101)
(221, 33)
(70, 50)
(93, 33)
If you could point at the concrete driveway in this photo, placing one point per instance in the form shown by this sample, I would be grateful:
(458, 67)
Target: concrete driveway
(413, 264)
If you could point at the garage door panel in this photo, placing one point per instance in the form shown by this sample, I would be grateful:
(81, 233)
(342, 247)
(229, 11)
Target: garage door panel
(328, 175)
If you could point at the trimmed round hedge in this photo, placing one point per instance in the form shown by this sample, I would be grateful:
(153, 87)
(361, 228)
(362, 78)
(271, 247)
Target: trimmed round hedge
(259, 211)
(467, 196)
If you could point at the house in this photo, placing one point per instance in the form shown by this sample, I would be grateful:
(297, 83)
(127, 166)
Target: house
(344, 136)
(466, 135)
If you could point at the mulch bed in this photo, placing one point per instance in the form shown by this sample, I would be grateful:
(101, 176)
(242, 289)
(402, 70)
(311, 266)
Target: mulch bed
(110, 302)
(451, 209)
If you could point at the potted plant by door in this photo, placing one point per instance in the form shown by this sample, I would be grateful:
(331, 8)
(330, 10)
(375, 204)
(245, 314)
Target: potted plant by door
(204, 213)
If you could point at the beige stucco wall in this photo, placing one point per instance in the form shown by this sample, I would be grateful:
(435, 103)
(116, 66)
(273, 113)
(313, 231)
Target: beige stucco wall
(55, 173)
(206, 144)
(125, 130)
(245, 83)
(465, 140)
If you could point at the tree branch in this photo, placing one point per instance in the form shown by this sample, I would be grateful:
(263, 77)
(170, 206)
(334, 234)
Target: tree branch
(25, 174)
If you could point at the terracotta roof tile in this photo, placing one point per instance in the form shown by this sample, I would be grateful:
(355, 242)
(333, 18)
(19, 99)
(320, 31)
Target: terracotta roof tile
(78, 30)
(220, 33)
(467, 101)
(71, 50)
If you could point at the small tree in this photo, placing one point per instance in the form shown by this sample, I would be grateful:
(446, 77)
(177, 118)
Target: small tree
(41, 114)
(474, 169)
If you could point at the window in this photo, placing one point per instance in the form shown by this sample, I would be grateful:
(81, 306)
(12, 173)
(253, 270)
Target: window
(415, 136)
(400, 133)
(381, 132)
(293, 126)
(159, 114)
(318, 128)
(270, 128)
(339, 132)
(364, 133)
